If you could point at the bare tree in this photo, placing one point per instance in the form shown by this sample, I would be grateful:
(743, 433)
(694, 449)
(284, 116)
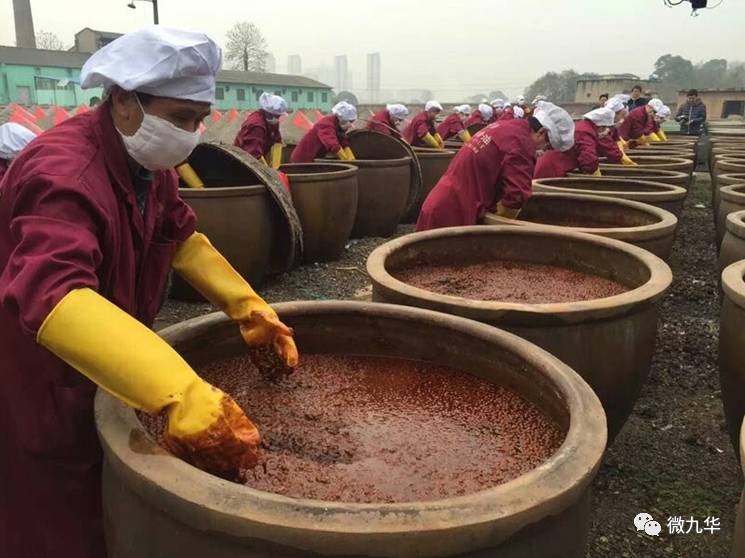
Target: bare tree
(246, 48)
(49, 41)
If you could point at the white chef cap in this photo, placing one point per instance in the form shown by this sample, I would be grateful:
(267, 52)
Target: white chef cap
(539, 98)
(397, 111)
(486, 111)
(463, 109)
(664, 112)
(601, 116)
(430, 105)
(559, 124)
(518, 111)
(656, 104)
(520, 100)
(617, 103)
(497, 103)
(13, 138)
(158, 61)
(273, 104)
(345, 111)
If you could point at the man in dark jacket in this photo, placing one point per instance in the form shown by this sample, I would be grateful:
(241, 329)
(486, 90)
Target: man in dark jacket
(691, 115)
(636, 98)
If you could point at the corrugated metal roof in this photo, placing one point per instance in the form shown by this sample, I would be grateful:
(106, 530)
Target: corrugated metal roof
(67, 59)
(257, 78)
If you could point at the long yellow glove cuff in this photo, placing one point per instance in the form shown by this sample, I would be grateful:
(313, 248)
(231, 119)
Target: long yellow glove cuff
(662, 135)
(262, 160)
(622, 145)
(189, 176)
(507, 212)
(341, 155)
(654, 137)
(276, 155)
(211, 274)
(349, 154)
(430, 140)
(626, 160)
(440, 141)
(597, 172)
(465, 136)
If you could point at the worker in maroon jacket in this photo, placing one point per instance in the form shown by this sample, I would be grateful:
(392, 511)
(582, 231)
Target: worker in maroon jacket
(495, 168)
(259, 135)
(638, 124)
(421, 131)
(328, 135)
(454, 124)
(484, 115)
(13, 138)
(508, 112)
(613, 147)
(388, 120)
(589, 132)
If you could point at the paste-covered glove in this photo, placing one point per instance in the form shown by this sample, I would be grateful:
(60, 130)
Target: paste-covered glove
(430, 140)
(626, 160)
(440, 141)
(349, 154)
(507, 212)
(654, 137)
(209, 272)
(465, 136)
(275, 154)
(597, 172)
(189, 176)
(205, 426)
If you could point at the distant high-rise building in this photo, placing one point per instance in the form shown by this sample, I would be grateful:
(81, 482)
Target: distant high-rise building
(373, 77)
(294, 65)
(341, 67)
(271, 63)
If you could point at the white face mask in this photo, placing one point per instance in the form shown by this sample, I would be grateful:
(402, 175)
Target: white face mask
(159, 145)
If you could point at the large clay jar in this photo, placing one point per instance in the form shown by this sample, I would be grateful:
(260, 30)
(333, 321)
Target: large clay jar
(665, 196)
(158, 506)
(640, 224)
(663, 163)
(383, 190)
(325, 198)
(725, 166)
(738, 546)
(731, 199)
(640, 173)
(732, 349)
(733, 244)
(608, 341)
(721, 181)
(434, 163)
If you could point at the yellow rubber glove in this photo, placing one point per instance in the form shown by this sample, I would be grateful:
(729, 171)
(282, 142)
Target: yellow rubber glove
(597, 172)
(275, 154)
(507, 212)
(661, 134)
(465, 136)
(341, 155)
(430, 140)
(644, 140)
(189, 176)
(654, 137)
(262, 160)
(440, 141)
(209, 272)
(205, 426)
(626, 160)
(622, 145)
(350, 154)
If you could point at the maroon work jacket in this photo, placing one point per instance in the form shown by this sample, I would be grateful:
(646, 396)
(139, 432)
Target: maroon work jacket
(496, 165)
(324, 137)
(478, 118)
(450, 127)
(3, 167)
(419, 127)
(608, 146)
(635, 124)
(587, 146)
(556, 164)
(507, 114)
(256, 137)
(381, 122)
(68, 220)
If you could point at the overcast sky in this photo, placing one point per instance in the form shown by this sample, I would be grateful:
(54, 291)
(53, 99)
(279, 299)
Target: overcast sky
(451, 47)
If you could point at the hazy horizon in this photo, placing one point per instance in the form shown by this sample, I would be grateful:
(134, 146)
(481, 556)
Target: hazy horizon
(456, 49)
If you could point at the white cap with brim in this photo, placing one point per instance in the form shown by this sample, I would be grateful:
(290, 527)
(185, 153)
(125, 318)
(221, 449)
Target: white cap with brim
(273, 104)
(559, 124)
(13, 138)
(486, 111)
(664, 113)
(158, 61)
(617, 103)
(498, 103)
(601, 116)
(656, 104)
(432, 105)
(463, 109)
(345, 111)
(397, 111)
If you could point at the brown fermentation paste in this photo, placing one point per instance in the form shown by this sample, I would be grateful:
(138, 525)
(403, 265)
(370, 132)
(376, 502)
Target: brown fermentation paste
(510, 281)
(382, 430)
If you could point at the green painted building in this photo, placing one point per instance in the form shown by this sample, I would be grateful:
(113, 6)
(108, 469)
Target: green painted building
(51, 77)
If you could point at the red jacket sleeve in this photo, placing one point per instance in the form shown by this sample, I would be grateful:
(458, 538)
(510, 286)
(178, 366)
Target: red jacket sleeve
(251, 139)
(421, 129)
(56, 231)
(327, 136)
(587, 151)
(517, 178)
(608, 148)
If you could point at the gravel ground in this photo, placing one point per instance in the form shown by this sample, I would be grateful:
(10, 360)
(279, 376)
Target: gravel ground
(674, 457)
